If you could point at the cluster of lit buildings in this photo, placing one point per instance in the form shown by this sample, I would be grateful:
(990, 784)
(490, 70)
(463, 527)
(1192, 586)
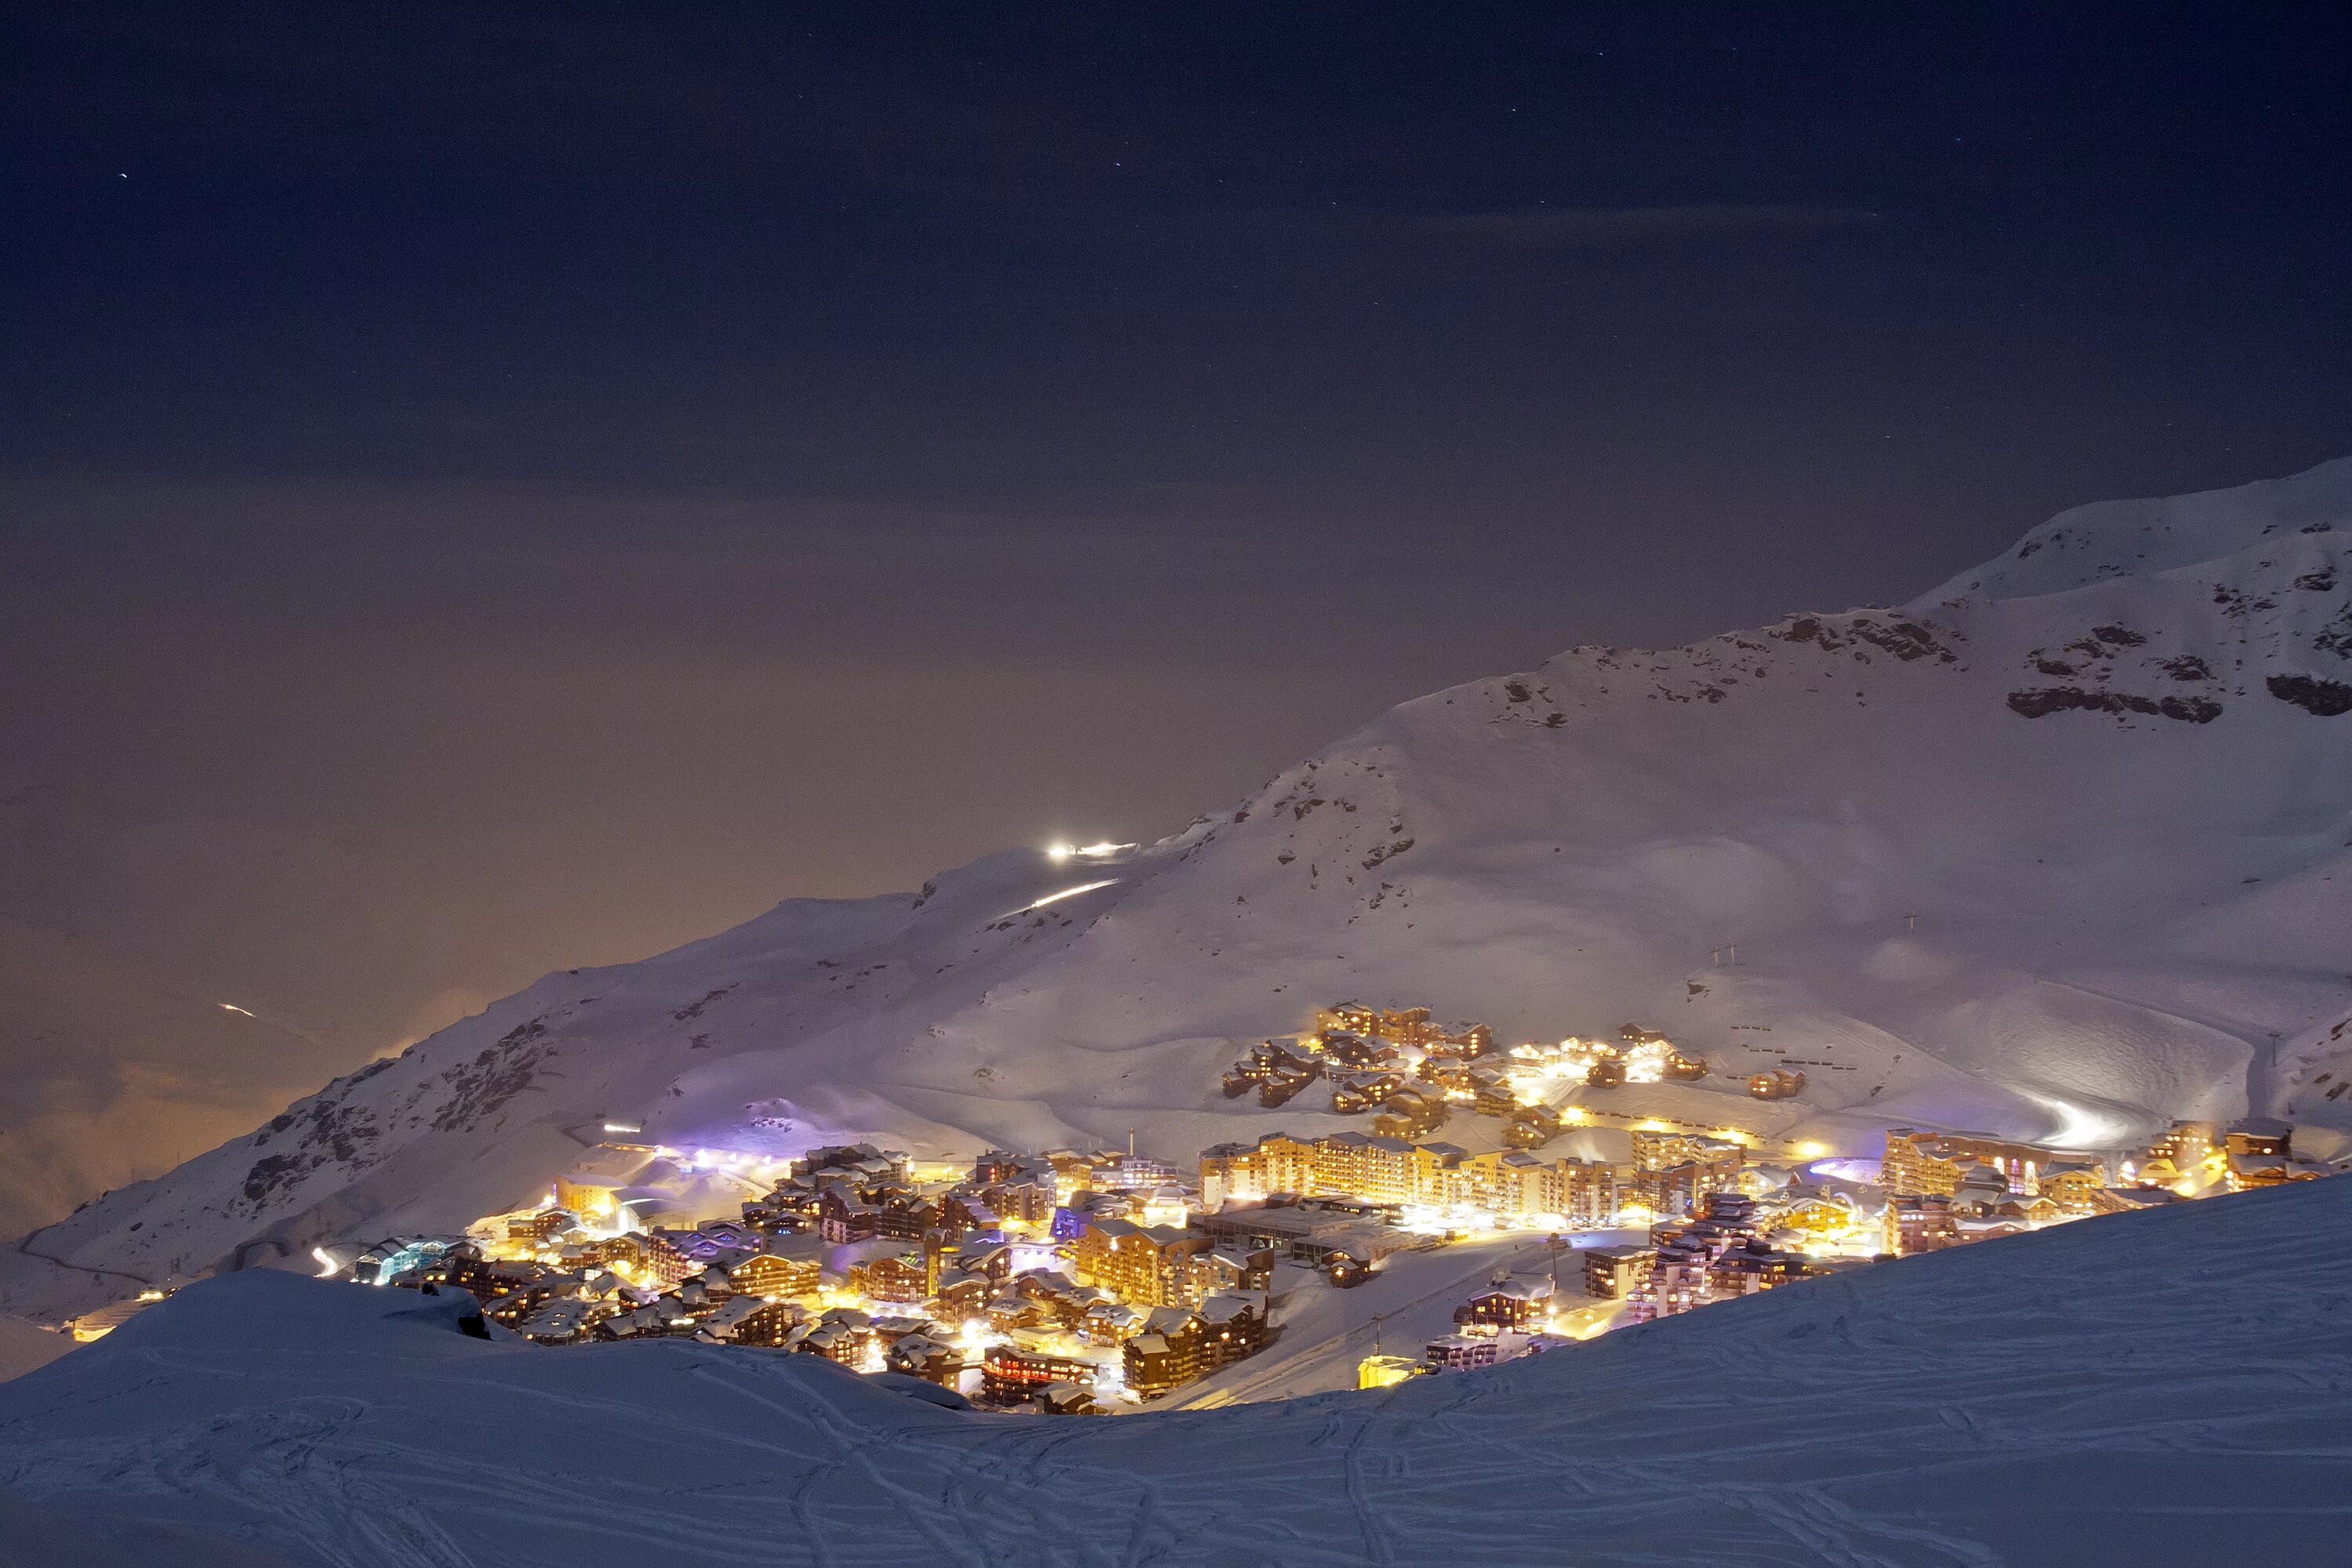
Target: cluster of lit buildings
(1066, 1281)
(1410, 1074)
(1719, 1229)
(1423, 1181)
(1084, 1281)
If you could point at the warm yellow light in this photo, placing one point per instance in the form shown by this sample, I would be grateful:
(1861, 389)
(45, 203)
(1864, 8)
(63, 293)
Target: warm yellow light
(1811, 1150)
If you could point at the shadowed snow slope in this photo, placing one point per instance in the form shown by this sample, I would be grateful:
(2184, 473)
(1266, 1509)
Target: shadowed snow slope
(2060, 851)
(2163, 1387)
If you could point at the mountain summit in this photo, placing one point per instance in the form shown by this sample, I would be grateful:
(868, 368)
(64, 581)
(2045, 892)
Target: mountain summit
(2060, 849)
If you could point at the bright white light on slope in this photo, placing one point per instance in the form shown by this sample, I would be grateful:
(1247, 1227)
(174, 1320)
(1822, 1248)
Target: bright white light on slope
(2079, 1127)
(1090, 852)
(1072, 893)
(328, 1267)
(232, 1007)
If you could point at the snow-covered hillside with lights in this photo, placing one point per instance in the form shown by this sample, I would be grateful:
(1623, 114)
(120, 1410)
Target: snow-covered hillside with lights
(2059, 850)
(2161, 1387)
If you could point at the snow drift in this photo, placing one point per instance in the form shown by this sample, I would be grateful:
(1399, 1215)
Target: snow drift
(2058, 850)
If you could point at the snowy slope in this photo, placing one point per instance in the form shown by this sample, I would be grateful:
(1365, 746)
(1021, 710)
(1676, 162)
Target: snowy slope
(2157, 1387)
(24, 1346)
(2059, 850)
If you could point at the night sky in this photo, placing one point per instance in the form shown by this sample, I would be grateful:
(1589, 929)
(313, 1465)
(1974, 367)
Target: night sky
(488, 488)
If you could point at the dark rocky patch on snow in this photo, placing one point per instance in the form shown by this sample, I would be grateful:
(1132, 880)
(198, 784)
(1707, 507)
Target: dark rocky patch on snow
(2322, 699)
(2042, 701)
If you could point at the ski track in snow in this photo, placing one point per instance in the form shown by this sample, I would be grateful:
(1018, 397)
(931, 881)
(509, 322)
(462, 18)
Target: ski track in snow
(2168, 1385)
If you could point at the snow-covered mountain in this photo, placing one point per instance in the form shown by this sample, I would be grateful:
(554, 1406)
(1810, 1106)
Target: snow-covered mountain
(2060, 849)
(2151, 1387)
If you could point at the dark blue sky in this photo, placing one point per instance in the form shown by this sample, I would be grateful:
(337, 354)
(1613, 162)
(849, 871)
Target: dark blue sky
(493, 487)
(1422, 273)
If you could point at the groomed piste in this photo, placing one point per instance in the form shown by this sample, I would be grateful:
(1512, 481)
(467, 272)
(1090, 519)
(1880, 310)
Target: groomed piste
(2163, 1387)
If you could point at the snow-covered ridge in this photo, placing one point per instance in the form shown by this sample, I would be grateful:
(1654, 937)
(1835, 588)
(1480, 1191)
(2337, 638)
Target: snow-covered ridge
(2141, 538)
(2159, 1386)
(2058, 855)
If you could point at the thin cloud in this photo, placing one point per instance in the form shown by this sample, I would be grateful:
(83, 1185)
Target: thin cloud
(1547, 228)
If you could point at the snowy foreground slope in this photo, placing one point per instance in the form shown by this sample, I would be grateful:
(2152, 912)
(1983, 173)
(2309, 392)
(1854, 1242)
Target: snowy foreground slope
(2167, 1386)
(2059, 850)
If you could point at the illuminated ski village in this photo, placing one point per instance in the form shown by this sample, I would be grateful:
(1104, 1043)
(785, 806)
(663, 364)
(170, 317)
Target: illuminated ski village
(1085, 1282)
(1079, 786)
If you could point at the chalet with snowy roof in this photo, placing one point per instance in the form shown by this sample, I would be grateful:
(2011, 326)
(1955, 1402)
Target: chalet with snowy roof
(1756, 1265)
(1462, 1353)
(1237, 1319)
(562, 1322)
(994, 1165)
(1029, 1199)
(1354, 1093)
(2182, 1147)
(906, 1275)
(1111, 1323)
(1676, 1282)
(672, 1255)
(1007, 1311)
(1920, 1222)
(1514, 1303)
(1681, 1188)
(2071, 1185)
(784, 1266)
(853, 1161)
(1061, 1398)
(846, 1344)
(1143, 1265)
(1531, 1126)
(750, 1321)
(842, 1218)
(1013, 1371)
(2260, 1153)
(922, 1355)
(544, 1225)
(1981, 1189)
(511, 1309)
(641, 1322)
(1610, 1273)
(1166, 1353)
(963, 1214)
(1410, 1114)
(960, 1295)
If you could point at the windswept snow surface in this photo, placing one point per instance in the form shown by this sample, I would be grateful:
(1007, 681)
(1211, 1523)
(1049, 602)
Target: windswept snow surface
(2059, 851)
(2167, 1387)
